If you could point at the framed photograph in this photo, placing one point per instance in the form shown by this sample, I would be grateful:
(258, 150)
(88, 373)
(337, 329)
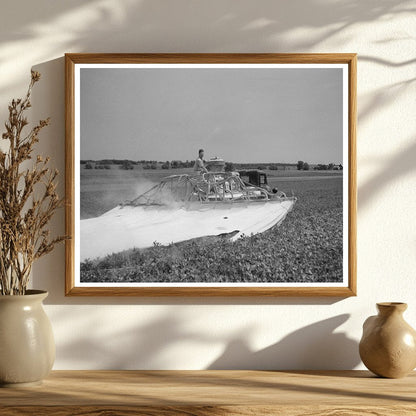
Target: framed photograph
(211, 174)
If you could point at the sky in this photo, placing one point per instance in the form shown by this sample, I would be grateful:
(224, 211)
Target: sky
(242, 115)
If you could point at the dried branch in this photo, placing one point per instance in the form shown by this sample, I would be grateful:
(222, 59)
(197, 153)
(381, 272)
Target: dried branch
(23, 217)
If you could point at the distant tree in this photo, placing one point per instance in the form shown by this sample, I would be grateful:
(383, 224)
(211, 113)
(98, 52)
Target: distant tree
(273, 167)
(300, 165)
(107, 167)
(166, 165)
(229, 167)
(306, 166)
(88, 166)
(126, 165)
(107, 161)
(331, 166)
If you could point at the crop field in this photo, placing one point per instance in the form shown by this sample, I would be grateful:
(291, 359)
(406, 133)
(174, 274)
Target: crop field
(306, 247)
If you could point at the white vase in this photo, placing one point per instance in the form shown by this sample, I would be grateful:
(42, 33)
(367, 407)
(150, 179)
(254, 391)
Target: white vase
(27, 347)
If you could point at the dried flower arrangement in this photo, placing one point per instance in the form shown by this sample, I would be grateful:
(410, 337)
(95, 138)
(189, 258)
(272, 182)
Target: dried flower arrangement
(28, 199)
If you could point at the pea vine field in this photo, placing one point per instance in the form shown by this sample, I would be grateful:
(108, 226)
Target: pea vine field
(307, 247)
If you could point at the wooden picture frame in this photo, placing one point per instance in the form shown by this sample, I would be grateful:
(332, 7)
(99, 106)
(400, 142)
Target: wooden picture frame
(347, 64)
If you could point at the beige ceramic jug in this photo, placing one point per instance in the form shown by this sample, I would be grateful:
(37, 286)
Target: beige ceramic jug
(388, 344)
(27, 347)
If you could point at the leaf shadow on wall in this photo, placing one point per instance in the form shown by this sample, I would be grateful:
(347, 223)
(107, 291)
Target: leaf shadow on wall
(150, 26)
(402, 163)
(143, 346)
(242, 29)
(48, 99)
(313, 347)
(394, 168)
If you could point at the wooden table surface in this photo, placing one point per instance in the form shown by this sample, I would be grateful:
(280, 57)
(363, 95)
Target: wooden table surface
(253, 393)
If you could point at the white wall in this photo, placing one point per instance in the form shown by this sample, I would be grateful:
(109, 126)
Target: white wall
(198, 333)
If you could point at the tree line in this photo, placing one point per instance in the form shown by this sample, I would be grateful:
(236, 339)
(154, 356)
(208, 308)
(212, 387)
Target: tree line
(127, 164)
(301, 165)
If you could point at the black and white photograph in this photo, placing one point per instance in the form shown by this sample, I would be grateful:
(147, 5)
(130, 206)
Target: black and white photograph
(226, 174)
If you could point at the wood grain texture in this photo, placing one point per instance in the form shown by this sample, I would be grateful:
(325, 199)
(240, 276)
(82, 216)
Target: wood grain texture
(214, 291)
(272, 58)
(352, 178)
(210, 411)
(69, 174)
(70, 287)
(203, 393)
